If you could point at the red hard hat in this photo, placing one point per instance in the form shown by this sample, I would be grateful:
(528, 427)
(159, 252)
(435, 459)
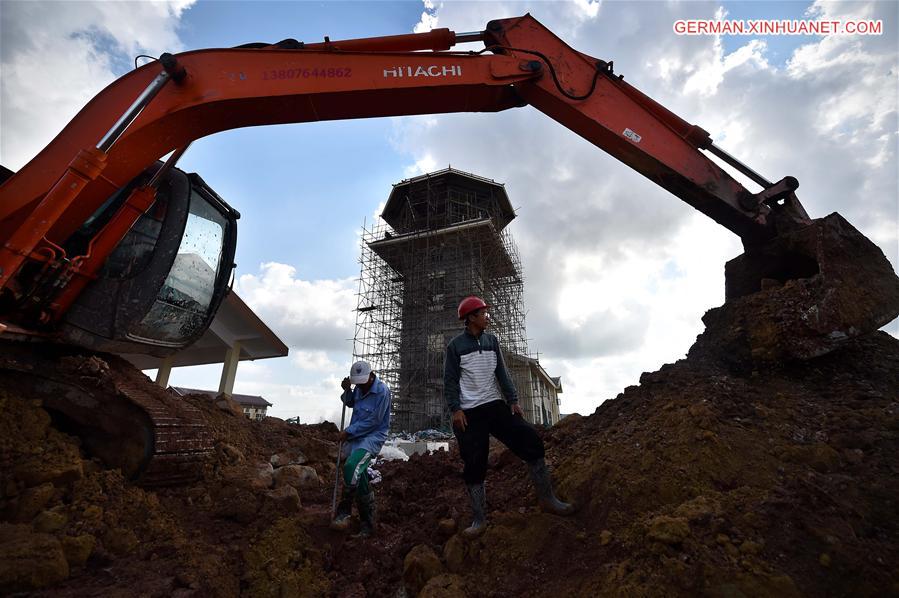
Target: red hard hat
(470, 304)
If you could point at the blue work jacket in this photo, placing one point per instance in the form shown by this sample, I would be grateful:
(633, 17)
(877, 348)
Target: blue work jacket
(371, 418)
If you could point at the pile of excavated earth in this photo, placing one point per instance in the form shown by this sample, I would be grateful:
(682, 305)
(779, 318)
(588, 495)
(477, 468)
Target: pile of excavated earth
(716, 475)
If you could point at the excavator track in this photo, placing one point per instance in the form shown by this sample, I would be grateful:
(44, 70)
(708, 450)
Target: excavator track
(122, 418)
(181, 440)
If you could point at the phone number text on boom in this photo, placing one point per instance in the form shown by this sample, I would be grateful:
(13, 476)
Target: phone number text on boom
(305, 73)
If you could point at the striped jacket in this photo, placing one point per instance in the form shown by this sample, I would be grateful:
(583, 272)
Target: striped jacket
(474, 372)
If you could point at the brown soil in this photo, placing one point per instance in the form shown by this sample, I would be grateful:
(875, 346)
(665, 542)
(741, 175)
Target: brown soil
(710, 477)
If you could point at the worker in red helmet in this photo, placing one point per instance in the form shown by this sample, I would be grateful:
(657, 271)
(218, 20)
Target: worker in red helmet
(483, 401)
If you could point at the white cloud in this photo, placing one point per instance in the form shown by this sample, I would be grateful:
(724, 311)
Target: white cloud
(255, 370)
(55, 56)
(589, 8)
(314, 315)
(313, 360)
(428, 18)
(710, 75)
(315, 318)
(422, 165)
(376, 214)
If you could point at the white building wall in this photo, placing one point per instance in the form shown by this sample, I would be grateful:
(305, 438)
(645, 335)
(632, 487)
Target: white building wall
(255, 413)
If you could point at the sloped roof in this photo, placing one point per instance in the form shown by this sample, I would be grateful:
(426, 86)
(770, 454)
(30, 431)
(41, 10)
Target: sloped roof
(395, 200)
(397, 250)
(243, 400)
(234, 321)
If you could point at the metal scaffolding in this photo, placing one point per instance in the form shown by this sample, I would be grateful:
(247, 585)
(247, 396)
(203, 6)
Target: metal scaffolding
(442, 238)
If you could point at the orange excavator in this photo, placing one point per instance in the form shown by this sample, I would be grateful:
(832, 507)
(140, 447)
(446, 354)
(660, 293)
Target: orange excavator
(106, 247)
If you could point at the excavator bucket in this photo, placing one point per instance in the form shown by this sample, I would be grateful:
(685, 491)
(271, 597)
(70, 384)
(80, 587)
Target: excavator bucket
(803, 294)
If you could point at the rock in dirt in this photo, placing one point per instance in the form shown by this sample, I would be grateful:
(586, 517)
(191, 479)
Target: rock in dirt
(444, 586)
(699, 509)
(420, 565)
(28, 560)
(286, 499)
(50, 521)
(317, 450)
(32, 501)
(298, 476)
(234, 502)
(58, 468)
(448, 526)
(230, 455)
(78, 549)
(253, 477)
(454, 553)
(229, 405)
(291, 457)
(120, 541)
(819, 456)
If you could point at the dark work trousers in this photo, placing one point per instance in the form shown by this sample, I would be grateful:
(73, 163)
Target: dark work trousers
(494, 418)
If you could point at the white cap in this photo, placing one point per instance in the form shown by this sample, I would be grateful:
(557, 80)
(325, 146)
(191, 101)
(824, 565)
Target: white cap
(360, 372)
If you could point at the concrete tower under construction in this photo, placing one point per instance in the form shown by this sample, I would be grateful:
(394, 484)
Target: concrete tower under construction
(442, 237)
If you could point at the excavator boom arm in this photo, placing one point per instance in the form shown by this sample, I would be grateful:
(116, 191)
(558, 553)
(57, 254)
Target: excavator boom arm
(232, 88)
(228, 89)
(584, 94)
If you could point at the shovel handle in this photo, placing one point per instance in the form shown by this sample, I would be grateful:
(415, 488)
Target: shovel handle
(336, 482)
(337, 466)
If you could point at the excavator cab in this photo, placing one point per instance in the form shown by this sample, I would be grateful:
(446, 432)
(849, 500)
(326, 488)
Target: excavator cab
(156, 293)
(160, 288)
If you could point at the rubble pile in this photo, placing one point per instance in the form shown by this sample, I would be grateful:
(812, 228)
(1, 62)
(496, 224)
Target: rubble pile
(774, 481)
(715, 475)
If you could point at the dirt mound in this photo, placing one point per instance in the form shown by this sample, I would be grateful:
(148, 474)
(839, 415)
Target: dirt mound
(710, 477)
(775, 482)
(98, 534)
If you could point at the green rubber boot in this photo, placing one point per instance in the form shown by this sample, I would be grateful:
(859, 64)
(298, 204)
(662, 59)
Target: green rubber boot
(344, 509)
(366, 505)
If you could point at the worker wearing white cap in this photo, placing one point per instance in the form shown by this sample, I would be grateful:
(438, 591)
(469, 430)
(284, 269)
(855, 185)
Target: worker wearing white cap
(362, 440)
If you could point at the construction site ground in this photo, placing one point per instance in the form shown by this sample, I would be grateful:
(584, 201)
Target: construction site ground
(710, 477)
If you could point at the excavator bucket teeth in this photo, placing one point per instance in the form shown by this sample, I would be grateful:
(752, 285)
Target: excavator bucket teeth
(803, 294)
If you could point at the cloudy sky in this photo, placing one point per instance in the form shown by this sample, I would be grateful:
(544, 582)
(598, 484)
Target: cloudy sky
(618, 272)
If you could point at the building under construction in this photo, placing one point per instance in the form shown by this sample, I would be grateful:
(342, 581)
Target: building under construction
(442, 238)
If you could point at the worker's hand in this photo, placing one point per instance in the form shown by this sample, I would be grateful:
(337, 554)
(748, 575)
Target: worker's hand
(516, 409)
(459, 421)
(345, 383)
(342, 436)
